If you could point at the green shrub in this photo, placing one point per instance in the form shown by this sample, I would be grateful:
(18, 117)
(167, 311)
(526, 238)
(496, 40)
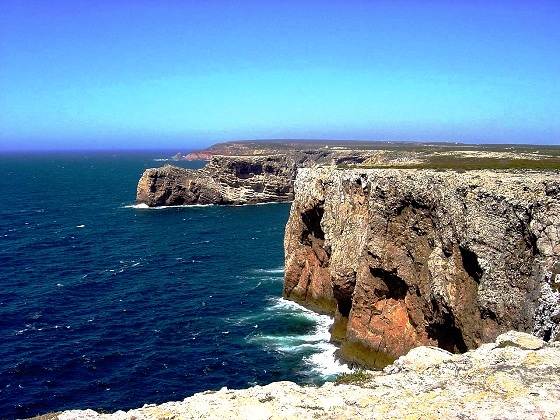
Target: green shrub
(356, 377)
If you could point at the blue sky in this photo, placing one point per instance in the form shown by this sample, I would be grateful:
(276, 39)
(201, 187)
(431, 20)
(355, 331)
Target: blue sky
(152, 74)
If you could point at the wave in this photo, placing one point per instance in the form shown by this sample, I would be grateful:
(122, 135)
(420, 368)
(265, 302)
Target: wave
(137, 206)
(326, 363)
(268, 203)
(144, 206)
(311, 341)
(278, 270)
(32, 328)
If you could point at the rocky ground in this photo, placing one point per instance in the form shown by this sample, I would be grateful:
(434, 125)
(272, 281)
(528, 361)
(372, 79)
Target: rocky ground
(516, 377)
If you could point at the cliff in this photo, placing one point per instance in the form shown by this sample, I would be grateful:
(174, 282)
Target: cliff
(249, 172)
(517, 377)
(224, 180)
(405, 258)
(245, 179)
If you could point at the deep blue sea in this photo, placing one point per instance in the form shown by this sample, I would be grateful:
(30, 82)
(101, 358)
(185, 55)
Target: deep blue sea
(107, 305)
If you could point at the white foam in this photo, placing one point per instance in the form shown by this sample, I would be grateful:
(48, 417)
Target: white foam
(137, 206)
(325, 361)
(270, 203)
(323, 358)
(81, 226)
(288, 306)
(144, 206)
(278, 270)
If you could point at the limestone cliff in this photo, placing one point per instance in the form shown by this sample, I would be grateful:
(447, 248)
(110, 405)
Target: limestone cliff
(263, 171)
(224, 180)
(404, 257)
(244, 179)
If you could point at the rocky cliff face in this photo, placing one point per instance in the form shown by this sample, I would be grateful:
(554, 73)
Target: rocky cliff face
(225, 180)
(246, 179)
(404, 258)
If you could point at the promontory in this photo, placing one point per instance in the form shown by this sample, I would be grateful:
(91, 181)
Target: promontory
(439, 263)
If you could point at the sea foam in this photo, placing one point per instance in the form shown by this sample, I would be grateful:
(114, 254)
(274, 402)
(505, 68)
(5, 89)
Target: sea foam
(314, 345)
(144, 206)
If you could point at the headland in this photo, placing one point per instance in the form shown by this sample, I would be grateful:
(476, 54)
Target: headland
(439, 262)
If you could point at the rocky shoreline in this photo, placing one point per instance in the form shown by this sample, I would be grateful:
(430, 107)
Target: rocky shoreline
(259, 172)
(516, 377)
(416, 264)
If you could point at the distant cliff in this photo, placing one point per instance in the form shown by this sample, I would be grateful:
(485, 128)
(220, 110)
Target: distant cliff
(245, 179)
(405, 258)
(225, 180)
(249, 172)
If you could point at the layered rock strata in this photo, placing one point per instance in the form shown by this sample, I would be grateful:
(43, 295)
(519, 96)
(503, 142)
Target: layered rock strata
(405, 258)
(246, 179)
(517, 377)
(224, 180)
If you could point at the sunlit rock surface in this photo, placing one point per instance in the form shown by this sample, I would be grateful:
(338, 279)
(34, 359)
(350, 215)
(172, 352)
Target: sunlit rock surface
(406, 257)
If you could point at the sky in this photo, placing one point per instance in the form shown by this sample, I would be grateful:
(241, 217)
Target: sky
(187, 74)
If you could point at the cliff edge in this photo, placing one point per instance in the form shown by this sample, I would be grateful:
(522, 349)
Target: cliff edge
(251, 172)
(406, 257)
(517, 377)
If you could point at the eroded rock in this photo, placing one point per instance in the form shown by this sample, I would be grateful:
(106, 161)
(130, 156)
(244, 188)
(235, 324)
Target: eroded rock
(421, 257)
(237, 173)
(225, 180)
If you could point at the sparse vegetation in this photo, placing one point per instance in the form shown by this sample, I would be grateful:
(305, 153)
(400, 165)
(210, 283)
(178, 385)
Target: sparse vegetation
(460, 163)
(410, 155)
(356, 377)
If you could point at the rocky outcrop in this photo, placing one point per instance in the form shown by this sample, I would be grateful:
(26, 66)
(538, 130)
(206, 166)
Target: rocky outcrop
(405, 258)
(246, 179)
(517, 377)
(225, 180)
(199, 155)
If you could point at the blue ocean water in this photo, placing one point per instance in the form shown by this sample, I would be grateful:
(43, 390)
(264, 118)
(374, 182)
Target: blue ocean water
(108, 305)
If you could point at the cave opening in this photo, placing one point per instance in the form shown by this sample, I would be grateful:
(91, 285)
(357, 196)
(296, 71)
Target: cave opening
(446, 333)
(391, 286)
(311, 219)
(344, 304)
(343, 290)
(470, 264)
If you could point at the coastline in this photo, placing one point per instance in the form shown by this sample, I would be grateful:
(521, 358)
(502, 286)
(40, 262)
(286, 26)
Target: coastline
(227, 393)
(516, 377)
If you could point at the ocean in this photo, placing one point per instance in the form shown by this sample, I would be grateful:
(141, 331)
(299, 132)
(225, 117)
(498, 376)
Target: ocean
(108, 305)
